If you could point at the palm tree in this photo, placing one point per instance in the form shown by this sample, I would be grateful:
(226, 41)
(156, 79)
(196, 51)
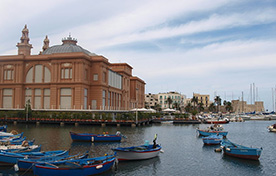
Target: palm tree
(200, 107)
(176, 106)
(194, 100)
(212, 107)
(218, 102)
(157, 107)
(188, 108)
(169, 100)
(228, 106)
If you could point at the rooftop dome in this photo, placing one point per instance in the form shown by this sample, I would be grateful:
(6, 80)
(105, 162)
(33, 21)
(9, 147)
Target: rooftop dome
(69, 45)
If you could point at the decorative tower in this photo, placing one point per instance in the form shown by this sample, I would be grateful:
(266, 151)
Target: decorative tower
(46, 43)
(24, 47)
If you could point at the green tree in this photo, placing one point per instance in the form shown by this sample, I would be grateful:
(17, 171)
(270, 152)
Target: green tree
(217, 102)
(28, 110)
(228, 106)
(194, 101)
(169, 101)
(188, 107)
(200, 107)
(212, 107)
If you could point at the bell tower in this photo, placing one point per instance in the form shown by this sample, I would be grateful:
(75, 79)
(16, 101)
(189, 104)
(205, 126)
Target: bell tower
(24, 47)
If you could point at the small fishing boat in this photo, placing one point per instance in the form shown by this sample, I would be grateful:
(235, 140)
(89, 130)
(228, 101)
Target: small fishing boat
(6, 135)
(213, 130)
(81, 167)
(16, 141)
(239, 151)
(137, 152)
(140, 152)
(3, 128)
(217, 121)
(27, 164)
(10, 158)
(272, 128)
(90, 137)
(20, 148)
(212, 139)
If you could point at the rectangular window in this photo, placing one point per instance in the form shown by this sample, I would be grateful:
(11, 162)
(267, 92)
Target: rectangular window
(103, 99)
(66, 73)
(85, 99)
(95, 77)
(7, 98)
(94, 104)
(65, 98)
(8, 74)
(46, 99)
(37, 100)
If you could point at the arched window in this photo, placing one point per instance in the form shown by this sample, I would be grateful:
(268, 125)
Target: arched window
(38, 74)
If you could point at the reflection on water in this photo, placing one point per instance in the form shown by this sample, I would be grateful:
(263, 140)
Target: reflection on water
(185, 153)
(148, 166)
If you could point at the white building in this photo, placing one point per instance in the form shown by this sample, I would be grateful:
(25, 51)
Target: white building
(174, 96)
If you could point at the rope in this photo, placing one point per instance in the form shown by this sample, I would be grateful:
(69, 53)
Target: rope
(28, 169)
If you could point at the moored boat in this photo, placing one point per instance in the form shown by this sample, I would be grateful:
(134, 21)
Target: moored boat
(10, 158)
(81, 167)
(27, 164)
(140, 152)
(6, 135)
(20, 148)
(3, 128)
(217, 121)
(272, 128)
(137, 152)
(213, 130)
(212, 139)
(91, 137)
(240, 151)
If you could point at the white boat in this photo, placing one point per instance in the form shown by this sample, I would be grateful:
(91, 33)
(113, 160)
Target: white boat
(140, 152)
(272, 128)
(11, 148)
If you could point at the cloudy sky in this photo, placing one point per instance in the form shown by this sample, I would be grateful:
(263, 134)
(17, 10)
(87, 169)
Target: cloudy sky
(216, 47)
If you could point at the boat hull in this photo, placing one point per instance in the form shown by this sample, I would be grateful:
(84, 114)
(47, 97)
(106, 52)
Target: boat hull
(209, 133)
(8, 158)
(125, 154)
(94, 137)
(252, 154)
(86, 170)
(212, 140)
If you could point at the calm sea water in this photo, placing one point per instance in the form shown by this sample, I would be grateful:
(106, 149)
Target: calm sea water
(184, 152)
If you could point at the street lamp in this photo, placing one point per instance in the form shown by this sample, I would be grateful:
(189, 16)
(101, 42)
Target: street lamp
(137, 106)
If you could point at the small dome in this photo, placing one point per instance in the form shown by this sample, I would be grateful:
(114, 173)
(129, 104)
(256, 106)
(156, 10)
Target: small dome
(69, 46)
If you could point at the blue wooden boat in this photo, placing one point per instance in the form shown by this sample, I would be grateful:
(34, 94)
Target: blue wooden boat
(16, 141)
(7, 135)
(10, 158)
(90, 137)
(3, 128)
(137, 152)
(81, 167)
(213, 130)
(239, 151)
(20, 148)
(212, 139)
(27, 164)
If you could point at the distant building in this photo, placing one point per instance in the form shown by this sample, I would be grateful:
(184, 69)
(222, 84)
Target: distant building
(151, 100)
(242, 106)
(66, 76)
(175, 97)
(204, 99)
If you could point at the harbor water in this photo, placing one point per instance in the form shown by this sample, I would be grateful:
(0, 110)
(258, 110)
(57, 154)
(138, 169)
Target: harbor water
(184, 152)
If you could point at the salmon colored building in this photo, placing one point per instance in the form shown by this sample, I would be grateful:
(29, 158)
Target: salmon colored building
(66, 76)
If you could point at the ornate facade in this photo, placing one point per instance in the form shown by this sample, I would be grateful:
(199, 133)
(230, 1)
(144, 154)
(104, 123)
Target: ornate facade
(66, 77)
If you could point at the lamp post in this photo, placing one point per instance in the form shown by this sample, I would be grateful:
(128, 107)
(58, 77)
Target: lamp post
(137, 106)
